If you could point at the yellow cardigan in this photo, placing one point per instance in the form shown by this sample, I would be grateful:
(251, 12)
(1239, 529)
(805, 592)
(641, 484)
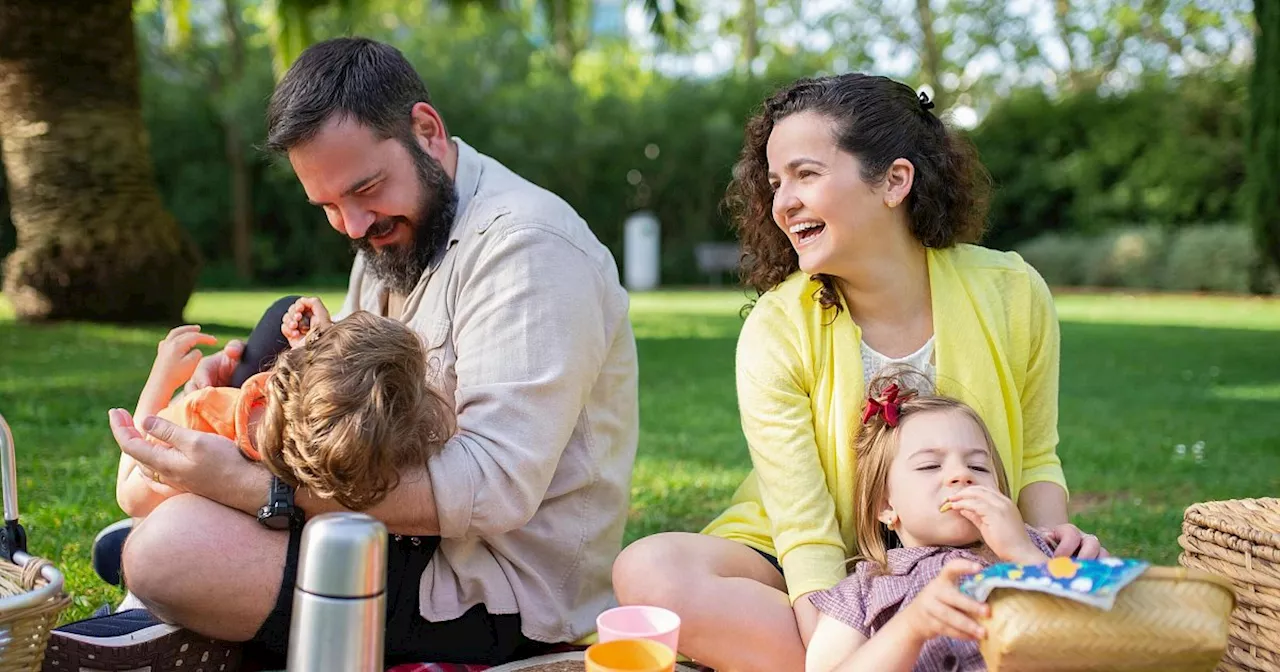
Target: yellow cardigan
(801, 389)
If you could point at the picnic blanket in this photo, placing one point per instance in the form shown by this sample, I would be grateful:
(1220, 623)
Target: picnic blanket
(554, 662)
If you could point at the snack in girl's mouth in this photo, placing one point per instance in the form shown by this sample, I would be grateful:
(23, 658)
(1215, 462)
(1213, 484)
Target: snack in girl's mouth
(946, 506)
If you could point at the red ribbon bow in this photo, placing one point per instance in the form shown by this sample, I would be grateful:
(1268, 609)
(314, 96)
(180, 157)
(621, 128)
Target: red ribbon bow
(887, 406)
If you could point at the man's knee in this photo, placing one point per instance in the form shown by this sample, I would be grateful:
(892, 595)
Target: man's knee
(282, 305)
(159, 552)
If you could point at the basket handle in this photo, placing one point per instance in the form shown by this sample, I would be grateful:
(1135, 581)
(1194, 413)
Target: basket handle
(12, 538)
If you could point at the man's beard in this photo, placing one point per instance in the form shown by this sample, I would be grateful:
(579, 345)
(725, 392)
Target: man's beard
(401, 266)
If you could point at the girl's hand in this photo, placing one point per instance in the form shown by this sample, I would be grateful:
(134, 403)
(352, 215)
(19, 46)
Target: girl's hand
(304, 315)
(999, 523)
(941, 610)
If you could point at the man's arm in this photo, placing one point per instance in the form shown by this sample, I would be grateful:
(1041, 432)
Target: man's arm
(531, 329)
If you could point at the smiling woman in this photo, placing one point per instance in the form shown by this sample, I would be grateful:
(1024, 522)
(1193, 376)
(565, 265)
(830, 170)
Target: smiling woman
(857, 208)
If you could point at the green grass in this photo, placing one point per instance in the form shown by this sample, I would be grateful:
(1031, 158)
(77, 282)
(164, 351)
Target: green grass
(1140, 376)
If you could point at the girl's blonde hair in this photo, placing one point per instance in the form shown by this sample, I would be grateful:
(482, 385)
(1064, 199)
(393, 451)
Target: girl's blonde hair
(876, 446)
(350, 409)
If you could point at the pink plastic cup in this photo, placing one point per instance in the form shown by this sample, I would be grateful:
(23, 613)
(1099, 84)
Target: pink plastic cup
(639, 622)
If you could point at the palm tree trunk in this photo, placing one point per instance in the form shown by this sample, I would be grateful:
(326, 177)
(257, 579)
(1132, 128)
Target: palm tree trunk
(94, 241)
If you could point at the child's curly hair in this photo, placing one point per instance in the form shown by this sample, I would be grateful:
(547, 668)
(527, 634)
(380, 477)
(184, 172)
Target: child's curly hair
(876, 446)
(352, 408)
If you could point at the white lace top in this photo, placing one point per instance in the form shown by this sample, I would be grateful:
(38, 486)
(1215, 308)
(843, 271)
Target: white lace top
(921, 360)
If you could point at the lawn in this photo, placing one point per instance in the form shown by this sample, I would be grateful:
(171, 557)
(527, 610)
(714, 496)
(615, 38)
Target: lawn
(1166, 401)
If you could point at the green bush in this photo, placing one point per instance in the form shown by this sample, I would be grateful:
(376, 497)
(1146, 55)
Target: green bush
(1060, 258)
(618, 136)
(1130, 257)
(1204, 258)
(1169, 151)
(1215, 258)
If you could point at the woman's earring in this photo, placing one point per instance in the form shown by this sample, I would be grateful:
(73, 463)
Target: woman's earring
(890, 520)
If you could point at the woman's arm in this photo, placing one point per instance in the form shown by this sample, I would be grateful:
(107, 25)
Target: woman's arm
(1043, 498)
(1043, 504)
(777, 421)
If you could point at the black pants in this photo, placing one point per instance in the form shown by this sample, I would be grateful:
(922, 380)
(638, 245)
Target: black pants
(476, 637)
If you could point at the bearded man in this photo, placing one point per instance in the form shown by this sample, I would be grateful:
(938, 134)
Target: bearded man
(502, 542)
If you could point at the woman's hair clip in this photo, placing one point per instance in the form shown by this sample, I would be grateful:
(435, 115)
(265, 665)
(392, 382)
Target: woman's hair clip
(925, 103)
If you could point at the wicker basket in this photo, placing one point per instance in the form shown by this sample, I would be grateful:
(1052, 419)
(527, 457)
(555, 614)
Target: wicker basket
(31, 595)
(1170, 619)
(1240, 540)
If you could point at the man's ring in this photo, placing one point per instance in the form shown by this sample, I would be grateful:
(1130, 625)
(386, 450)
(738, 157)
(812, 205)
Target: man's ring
(155, 476)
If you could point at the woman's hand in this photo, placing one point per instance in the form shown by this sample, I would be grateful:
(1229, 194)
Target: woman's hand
(1069, 541)
(999, 523)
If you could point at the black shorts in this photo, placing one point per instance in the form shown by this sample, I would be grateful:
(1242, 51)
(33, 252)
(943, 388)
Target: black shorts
(772, 560)
(475, 637)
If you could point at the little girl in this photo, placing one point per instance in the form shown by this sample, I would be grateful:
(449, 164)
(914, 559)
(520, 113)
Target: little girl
(933, 505)
(341, 413)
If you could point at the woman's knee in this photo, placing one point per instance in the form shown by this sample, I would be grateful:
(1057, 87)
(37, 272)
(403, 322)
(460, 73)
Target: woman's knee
(658, 569)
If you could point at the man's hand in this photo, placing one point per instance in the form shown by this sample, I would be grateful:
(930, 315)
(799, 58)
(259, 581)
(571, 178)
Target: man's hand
(177, 357)
(216, 369)
(197, 462)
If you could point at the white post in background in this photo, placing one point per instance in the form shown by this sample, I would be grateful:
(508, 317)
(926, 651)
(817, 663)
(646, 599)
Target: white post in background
(641, 247)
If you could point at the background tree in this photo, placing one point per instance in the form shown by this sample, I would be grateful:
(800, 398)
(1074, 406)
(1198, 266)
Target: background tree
(94, 240)
(1263, 148)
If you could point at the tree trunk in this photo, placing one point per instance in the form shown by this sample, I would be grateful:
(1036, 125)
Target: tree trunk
(234, 145)
(241, 201)
(1062, 19)
(94, 241)
(931, 55)
(561, 17)
(1263, 149)
(750, 34)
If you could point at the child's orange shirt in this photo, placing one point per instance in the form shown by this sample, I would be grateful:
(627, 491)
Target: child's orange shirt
(222, 410)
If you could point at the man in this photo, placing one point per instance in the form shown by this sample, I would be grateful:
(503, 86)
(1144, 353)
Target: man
(502, 543)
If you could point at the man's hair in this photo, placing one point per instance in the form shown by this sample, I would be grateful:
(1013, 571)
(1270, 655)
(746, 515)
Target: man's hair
(357, 78)
(350, 409)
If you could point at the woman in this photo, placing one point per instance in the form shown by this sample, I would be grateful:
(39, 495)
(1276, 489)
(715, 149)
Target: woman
(856, 210)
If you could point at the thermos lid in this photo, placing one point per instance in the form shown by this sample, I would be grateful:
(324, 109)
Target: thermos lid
(343, 555)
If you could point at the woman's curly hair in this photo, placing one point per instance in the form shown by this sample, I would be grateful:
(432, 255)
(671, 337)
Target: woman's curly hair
(348, 411)
(879, 121)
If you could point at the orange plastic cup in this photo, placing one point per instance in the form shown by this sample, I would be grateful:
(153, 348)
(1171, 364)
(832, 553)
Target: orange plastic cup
(630, 655)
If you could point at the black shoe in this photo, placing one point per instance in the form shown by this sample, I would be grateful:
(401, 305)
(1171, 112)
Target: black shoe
(135, 640)
(108, 550)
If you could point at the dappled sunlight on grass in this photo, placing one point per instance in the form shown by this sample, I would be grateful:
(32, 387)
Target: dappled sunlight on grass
(1213, 312)
(1165, 401)
(1247, 392)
